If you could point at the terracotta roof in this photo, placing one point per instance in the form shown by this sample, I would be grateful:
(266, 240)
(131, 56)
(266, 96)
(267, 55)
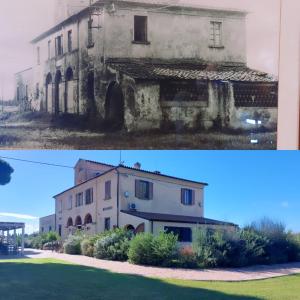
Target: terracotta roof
(187, 71)
(175, 218)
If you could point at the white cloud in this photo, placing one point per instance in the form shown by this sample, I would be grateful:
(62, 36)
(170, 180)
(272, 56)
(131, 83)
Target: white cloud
(285, 204)
(17, 216)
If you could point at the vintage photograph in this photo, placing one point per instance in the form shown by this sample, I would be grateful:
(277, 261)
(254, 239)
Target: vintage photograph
(139, 74)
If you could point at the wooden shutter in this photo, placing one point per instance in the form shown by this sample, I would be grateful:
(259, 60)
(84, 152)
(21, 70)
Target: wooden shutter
(137, 185)
(193, 197)
(182, 196)
(150, 190)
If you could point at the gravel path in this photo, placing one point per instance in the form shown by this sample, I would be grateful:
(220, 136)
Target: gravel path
(239, 274)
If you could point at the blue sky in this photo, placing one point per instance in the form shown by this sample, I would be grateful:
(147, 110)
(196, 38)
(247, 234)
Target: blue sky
(243, 185)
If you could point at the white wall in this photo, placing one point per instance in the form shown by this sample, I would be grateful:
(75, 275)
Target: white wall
(289, 77)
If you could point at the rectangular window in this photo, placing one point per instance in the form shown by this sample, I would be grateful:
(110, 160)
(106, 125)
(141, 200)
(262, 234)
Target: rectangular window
(89, 196)
(143, 190)
(107, 190)
(59, 204)
(70, 41)
(184, 234)
(70, 202)
(187, 197)
(107, 224)
(49, 49)
(79, 199)
(90, 42)
(59, 45)
(38, 54)
(59, 230)
(140, 29)
(216, 34)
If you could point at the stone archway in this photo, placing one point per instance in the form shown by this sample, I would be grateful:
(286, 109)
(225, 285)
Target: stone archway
(88, 219)
(129, 227)
(49, 100)
(114, 106)
(70, 222)
(69, 91)
(57, 92)
(78, 222)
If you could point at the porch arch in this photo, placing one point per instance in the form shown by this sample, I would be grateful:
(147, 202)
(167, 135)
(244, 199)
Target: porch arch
(70, 222)
(78, 222)
(49, 100)
(114, 105)
(88, 219)
(69, 91)
(57, 91)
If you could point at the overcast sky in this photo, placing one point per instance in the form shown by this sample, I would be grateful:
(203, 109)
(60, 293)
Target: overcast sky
(21, 20)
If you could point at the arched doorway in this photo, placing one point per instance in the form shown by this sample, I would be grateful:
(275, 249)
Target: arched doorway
(69, 92)
(114, 106)
(70, 222)
(49, 99)
(57, 92)
(88, 219)
(78, 222)
(130, 227)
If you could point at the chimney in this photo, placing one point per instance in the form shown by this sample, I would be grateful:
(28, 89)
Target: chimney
(137, 165)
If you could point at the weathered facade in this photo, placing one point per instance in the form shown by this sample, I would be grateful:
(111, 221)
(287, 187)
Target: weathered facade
(148, 64)
(106, 196)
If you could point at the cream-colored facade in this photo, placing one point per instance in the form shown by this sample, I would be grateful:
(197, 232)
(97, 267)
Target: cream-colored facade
(47, 224)
(105, 197)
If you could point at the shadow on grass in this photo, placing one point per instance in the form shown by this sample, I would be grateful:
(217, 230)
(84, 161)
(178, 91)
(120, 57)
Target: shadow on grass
(50, 279)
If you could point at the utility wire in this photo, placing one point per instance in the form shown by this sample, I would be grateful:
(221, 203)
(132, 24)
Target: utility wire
(36, 162)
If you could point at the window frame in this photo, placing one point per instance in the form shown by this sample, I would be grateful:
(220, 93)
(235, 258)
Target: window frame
(145, 34)
(89, 192)
(182, 238)
(107, 191)
(70, 40)
(107, 228)
(184, 200)
(213, 36)
(79, 201)
(148, 193)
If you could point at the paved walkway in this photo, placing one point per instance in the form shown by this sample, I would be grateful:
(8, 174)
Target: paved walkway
(239, 274)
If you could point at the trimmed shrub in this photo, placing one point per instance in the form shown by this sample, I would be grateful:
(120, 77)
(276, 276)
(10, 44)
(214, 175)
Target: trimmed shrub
(186, 259)
(147, 249)
(113, 245)
(140, 251)
(72, 244)
(87, 247)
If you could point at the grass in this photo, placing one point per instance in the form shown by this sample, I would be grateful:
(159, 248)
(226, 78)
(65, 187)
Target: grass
(53, 279)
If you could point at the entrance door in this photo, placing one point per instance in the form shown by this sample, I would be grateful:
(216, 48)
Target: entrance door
(114, 106)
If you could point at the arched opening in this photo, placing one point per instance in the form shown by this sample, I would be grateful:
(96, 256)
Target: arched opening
(91, 104)
(70, 222)
(114, 106)
(140, 228)
(88, 219)
(57, 96)
(78, 222)
(129, 227)
(49, 93)
(69, 91)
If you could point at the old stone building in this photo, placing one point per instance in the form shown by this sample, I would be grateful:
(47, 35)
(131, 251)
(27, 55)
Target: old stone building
(146, 64)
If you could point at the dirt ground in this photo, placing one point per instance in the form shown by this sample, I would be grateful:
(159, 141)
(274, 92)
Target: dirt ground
(42, 131)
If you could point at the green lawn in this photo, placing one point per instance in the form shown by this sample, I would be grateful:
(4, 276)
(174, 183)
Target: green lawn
(52, 279)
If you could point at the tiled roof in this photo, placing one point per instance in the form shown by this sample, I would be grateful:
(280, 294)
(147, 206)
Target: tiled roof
(188, 71)
(175, 218)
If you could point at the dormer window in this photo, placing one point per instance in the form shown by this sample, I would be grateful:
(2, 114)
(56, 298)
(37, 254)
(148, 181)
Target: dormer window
(216, 34)
(140, 30)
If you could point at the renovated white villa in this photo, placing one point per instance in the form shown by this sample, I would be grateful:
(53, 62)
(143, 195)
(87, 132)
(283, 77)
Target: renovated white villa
(106, 196)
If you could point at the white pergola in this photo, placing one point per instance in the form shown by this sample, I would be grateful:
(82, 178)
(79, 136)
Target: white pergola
(6, 227)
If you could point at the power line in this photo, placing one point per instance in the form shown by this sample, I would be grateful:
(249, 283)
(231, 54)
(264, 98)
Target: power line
(36, 162)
